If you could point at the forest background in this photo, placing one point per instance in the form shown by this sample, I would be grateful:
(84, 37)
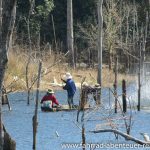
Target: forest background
(41, 32)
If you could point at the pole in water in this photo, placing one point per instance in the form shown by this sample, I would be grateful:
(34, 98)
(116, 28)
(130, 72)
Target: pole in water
(139, 79)
(116, 82)
(139, 92)
(34, 119)
(124, 101)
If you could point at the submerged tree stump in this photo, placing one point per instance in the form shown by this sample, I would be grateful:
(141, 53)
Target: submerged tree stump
(124, 101)
(86, 90)
(5, 99)
(83, 99)
(9, 143)
(83, 138)
(4, 96)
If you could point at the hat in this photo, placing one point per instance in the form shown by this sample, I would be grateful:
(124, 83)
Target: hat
(97, 85)
(64, 77)
(50, 91)
(68, 76)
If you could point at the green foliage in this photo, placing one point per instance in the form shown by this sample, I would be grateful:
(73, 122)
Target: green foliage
(44, 10)
(85, 18)
(40, 17)
(34, 27)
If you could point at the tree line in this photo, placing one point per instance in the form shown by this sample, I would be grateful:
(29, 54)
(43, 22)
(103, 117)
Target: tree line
(126, 24)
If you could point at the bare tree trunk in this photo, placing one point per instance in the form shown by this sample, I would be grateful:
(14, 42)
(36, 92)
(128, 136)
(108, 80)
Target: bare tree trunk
(4, 97)
(2, 70)
(127, 35)
(27, 65)
(54, 32)
(124, 101)
(115, 83)
(139, 81)
(110, 59)
(144, 45)
(36, 108)
(127, 38)
(83, 134)
(7, 19)
(29, 50)
(100, 38)
(70, 37)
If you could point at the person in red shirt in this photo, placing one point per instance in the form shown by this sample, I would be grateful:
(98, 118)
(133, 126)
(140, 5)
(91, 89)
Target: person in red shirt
(49, 99)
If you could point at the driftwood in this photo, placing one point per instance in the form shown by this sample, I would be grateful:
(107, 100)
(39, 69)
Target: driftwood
(126, 136)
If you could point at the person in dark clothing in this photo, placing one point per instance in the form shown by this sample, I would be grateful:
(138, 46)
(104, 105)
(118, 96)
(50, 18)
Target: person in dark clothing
(70, 87)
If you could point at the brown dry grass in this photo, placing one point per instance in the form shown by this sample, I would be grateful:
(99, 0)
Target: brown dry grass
(17, 64)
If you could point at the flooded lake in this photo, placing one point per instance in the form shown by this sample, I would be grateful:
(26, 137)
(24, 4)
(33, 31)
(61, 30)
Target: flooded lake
(57, 128)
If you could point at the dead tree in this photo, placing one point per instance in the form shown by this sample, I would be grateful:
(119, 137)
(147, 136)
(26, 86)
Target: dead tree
(100, 33)
(5, 99)
(100, 38)
(124, 101)
(70, 37)
(7, 20)
(139, 81)
(36, 108)
(29, 50)
(82, 104)
(2, 70)
(126, 136)
(116, 82)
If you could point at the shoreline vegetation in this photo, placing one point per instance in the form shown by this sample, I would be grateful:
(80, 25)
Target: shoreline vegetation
(15, 77)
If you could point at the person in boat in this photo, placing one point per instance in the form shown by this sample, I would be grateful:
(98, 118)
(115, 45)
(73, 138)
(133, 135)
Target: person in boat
(49, 100)
(70, 87)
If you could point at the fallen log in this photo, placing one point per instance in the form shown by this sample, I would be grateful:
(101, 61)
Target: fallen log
(126, 136)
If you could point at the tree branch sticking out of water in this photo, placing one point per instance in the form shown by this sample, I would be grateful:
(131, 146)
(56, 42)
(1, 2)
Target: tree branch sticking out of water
(126, 136)
(36, 107)
(128, 126)
(43, 73)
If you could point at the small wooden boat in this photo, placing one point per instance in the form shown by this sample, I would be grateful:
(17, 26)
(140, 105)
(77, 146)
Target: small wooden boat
(62, 108)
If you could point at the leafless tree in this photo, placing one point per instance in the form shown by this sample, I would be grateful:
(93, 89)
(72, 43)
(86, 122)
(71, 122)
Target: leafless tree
(70, 37)
(35, 123)
(7, 20)
(100, 39)
(29, 50)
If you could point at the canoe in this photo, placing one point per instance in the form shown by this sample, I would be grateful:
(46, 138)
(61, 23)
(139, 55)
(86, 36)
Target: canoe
(62, 108)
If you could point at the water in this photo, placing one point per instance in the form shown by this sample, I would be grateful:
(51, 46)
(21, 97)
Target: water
(56, 128)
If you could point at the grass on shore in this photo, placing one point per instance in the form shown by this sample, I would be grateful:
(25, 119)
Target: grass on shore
(17, 69)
